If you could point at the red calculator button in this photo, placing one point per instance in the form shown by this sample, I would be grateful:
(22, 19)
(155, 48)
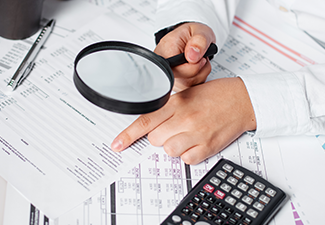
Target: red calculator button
(208, 188)
(219, 194)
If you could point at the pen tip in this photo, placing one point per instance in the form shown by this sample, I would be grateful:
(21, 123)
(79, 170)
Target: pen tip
(9, 89)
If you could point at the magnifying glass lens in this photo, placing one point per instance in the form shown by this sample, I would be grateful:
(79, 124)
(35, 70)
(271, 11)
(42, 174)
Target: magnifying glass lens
(123, 76)
(126, 78)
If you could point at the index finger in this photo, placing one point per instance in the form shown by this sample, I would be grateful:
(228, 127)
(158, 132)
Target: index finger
(140, 127)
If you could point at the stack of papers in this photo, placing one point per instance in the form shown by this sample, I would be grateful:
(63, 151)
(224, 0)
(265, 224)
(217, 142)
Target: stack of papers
(55, 152)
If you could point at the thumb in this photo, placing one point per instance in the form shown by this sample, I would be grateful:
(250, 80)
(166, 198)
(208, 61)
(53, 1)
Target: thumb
(195, 49)
(193, 55)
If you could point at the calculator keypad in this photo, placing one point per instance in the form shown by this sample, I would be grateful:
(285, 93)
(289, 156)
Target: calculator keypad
(229, 196)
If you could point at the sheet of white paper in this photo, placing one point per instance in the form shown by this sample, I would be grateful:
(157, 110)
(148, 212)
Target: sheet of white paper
(149, 191)
(140, 13)
(69, 16)
(63, 149)
(298, 164)
(152, 189)
(18, 209)
(3, 192)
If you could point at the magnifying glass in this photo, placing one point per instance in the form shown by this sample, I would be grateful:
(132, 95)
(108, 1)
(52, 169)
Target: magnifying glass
(126, 78)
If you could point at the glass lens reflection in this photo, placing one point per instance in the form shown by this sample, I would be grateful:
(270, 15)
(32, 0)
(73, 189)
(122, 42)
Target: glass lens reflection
(123, 76)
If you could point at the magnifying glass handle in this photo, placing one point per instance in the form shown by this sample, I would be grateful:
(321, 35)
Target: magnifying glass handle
(180, 58)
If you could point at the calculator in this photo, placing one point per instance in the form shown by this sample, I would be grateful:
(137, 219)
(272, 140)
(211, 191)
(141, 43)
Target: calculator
(228, 195)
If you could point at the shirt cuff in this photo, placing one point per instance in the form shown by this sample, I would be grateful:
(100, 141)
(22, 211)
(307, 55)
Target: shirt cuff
(279, 104)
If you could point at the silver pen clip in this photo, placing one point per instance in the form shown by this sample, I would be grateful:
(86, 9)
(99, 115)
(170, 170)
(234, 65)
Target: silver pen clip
(28, 63)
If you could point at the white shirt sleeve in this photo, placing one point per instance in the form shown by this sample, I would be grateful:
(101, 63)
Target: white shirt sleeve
(218, 15)
(288, 103)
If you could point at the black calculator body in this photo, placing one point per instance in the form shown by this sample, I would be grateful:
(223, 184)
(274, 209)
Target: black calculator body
(228, 195)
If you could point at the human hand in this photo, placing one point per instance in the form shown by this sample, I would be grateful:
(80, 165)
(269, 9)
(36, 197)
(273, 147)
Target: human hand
(193, 39)
(197, 122)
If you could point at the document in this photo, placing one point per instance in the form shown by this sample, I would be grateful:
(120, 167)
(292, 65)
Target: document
(56, 140)
(146, 192)
(3, 192)
(152, 189)
(18, 209)
(140, 13)
(13, 51)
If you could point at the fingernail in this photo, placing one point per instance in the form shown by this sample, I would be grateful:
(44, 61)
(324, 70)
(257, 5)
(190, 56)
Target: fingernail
(117, 145)
(194, 54)
(203, 62)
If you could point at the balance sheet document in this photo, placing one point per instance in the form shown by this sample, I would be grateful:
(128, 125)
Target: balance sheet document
(55, 145)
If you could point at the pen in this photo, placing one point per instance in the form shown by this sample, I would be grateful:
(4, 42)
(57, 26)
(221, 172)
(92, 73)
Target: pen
(28, 62)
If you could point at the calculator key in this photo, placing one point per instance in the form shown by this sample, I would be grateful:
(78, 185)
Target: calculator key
(237, 215)
(185, 222)
(249, 180)
(236, 193)
(208, 188)
(196, 199)
(186, 211)
(176, 218)
(220, 205)
(201, 194)
(252, 213)
(205, 205)
(258, 206)
(232, 180)
(219, 194)
(230, 200)
(210, 199)
(270, 192)
(209, 216)
(242, 207)
(221, 174)
(225, 187)
(242, 186)
(229, 210)
(238, 173)
(232, 221)
(215, 210)
(247, 221)
(247, 200)
(191, 205)
(215, 181)
(253, 192)
(224, 215)
(195, 217)
(259, 186)
(219, 221)
(200, 223)
(199, 210)
(265, 199)
(227, 167)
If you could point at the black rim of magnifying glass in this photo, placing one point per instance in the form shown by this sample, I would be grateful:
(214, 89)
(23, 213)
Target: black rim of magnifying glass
(118, 105)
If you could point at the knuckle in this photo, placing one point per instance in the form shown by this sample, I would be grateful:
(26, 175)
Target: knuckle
(170, 150)
(152, 138)
(200, 40)
(187, 159)
(175, 100)
(144, 121)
